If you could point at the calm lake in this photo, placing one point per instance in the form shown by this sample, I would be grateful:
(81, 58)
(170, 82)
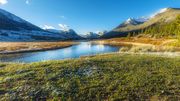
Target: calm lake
(76, 51)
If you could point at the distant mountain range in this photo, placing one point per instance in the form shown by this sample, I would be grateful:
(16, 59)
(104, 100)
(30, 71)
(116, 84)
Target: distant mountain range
(69, 34)
(14, 28)
(94, 35)
(165, 16)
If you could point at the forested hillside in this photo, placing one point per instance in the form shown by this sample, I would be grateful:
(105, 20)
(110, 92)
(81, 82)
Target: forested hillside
(171, 29)
(165, 23)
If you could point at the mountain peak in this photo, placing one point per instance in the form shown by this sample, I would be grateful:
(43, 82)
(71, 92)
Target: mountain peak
(133, 21)
(162, 16)
(129, 20)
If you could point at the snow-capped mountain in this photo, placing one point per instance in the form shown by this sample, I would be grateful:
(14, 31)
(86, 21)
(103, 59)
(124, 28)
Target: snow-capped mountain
(9, 21)
(163, 16)
(13, 28)
(91, 35)
(70, 34)
(94, 35)
(133, 21)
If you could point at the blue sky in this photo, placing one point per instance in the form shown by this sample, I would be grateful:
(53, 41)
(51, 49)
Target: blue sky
(84, 15)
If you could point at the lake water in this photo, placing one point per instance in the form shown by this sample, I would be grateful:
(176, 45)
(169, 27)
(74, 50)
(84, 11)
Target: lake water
(76, 51)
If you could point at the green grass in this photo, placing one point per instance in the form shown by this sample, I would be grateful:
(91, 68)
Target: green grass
(104, 77)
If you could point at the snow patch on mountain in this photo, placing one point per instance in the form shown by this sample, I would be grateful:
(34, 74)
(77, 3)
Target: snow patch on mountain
(128, 21)
(135, 21)
(159, 12)
(64, 27)
(24, 35)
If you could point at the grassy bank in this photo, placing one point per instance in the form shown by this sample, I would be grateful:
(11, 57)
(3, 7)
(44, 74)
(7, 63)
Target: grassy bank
(16, 47)
(143, 44)
(102, 77)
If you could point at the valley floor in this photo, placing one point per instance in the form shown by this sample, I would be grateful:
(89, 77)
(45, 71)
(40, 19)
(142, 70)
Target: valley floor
(18, 47)
(102, 77)
(132, 44)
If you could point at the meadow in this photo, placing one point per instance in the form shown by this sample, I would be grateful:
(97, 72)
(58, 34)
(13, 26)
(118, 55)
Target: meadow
(110, 77)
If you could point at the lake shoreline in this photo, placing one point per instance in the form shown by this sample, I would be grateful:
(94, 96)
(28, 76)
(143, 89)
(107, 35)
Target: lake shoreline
(126, 48)
(70, 51)
(34, 50)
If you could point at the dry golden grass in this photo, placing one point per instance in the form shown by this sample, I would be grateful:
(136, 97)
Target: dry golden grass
(134, 41)
(144, 44)
(28, 46)
(139, 40)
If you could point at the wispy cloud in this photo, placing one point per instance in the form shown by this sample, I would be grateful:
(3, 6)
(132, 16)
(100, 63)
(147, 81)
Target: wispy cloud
(2, 2)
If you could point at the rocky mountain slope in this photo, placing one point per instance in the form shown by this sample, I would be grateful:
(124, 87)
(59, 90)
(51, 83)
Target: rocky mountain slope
(131, 25)
(13, 28)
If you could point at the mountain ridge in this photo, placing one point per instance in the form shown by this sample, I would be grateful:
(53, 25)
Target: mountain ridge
(14, 28)
(163, 17)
